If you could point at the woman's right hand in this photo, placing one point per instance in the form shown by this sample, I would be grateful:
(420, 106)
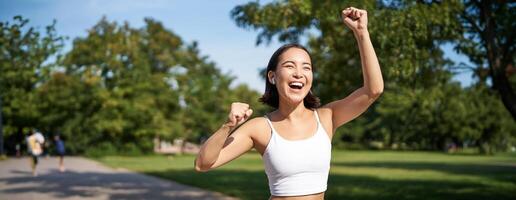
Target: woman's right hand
(238, 114)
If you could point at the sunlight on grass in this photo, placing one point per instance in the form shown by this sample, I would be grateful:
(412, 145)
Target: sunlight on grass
(353, 175)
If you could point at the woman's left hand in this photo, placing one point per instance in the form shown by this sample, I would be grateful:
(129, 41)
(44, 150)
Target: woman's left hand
(355, 19)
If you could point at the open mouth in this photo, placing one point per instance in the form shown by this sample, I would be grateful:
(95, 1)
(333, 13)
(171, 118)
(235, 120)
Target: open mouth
(296, 85)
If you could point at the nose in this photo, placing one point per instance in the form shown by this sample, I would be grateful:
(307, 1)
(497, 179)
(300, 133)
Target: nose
(297, 74)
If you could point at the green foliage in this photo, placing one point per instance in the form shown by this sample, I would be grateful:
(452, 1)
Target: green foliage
(406, 37)
(421, 107)
(119, 87)
(242, 93)
(22, 68)
(115, 90)
(69, 104)
(488, 41)
(435, 117)
(150, 84)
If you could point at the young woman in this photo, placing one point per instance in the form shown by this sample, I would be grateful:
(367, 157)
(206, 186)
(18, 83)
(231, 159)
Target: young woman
(295, 139)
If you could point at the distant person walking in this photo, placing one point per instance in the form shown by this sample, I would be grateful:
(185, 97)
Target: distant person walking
(35, 146)
(60, 149)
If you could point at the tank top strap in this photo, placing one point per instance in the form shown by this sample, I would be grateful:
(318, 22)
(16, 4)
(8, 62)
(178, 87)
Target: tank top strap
(270, 124)
(317, 116)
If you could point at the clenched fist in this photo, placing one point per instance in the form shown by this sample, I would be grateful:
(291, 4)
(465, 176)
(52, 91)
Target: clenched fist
(355, 19)
(238, 114)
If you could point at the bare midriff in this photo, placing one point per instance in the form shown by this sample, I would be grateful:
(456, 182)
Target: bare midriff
(318, 196)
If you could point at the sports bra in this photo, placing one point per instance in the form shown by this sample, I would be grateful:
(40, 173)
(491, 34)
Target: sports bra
(298, 167)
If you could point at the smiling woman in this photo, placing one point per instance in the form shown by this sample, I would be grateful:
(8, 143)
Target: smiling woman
(295, 139)
(271, 92)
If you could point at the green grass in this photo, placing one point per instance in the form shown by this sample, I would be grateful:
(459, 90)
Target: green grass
(353, 175)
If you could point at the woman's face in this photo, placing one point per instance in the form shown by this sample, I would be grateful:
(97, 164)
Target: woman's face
(293, 76)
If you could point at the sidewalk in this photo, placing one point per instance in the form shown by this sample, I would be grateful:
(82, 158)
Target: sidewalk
(87, 179)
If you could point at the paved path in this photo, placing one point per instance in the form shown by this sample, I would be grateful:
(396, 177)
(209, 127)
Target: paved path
(87, 179)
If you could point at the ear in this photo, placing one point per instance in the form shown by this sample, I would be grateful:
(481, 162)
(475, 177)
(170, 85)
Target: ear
(270, 77)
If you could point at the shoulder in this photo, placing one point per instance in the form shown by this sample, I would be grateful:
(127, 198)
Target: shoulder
(259, 131)
(256, 123)
(255, 126)
(325, 116)
(324, 112)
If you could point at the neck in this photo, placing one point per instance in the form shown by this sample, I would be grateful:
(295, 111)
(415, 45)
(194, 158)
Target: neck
(289, 111)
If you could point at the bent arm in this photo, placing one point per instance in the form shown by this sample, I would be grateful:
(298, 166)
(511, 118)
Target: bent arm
(222, 147)
(210, 150)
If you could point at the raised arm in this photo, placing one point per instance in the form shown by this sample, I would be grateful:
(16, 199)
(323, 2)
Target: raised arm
(227, 143)
(344, 110)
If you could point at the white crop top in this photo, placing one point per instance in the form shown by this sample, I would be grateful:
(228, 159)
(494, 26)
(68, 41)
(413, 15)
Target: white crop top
(298, 167)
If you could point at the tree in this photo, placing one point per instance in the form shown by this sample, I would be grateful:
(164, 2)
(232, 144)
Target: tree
(68, 106)
(488, 41)
(489, 120)
(23, 65)
(151, 84)
(115, 90)
(407, 35)
(419, 105)
(441, 115)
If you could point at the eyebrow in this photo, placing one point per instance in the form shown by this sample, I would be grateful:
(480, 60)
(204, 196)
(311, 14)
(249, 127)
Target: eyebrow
(294, 63)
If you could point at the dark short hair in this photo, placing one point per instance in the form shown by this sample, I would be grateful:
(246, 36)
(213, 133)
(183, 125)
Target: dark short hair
(271, 96)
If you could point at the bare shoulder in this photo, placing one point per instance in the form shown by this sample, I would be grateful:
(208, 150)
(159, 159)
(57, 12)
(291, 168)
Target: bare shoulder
(259, 132)
(325, 116)
(255, 126)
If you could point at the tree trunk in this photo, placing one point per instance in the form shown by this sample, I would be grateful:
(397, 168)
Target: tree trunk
(503, 86)
(498, 58)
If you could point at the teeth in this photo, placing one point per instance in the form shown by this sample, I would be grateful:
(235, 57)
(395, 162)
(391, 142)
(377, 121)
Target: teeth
(297, 84)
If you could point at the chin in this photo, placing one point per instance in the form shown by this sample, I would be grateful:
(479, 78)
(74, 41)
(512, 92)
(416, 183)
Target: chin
(296, 98)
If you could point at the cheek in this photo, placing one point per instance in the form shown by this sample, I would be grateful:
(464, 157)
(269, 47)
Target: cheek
(309, 78)
(284, 74)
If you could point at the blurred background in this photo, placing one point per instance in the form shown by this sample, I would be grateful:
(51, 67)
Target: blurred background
(139, 78)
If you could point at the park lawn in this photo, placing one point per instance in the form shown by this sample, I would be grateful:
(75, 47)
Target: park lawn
(353, 175)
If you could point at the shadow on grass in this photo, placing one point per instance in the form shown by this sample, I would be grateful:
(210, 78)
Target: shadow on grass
(252, 185)
(498, 172)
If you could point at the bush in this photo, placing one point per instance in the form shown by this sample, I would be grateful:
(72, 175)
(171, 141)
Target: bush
(103, 149)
